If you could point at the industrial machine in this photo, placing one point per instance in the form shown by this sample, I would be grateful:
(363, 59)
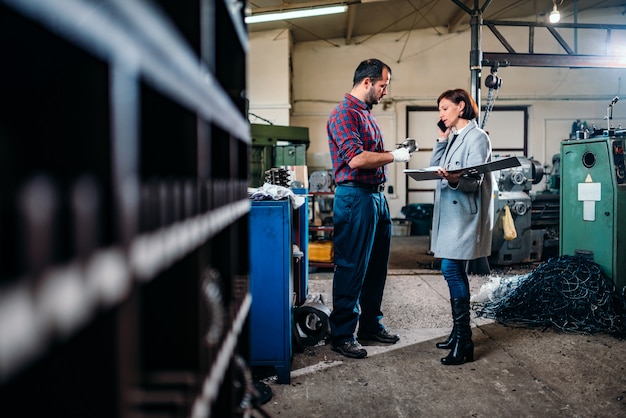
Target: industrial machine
(593, 203)
(593, 198)
(544, 211)
(514, 186)
(321, 181)
(275, 146)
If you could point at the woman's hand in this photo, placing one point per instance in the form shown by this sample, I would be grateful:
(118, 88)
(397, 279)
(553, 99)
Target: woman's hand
(453, 178)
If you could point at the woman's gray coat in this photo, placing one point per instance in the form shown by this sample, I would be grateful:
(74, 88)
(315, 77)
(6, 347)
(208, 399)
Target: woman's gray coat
(463, 216)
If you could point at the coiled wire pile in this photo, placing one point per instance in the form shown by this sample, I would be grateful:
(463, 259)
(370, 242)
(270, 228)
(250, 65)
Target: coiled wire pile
(569, 293)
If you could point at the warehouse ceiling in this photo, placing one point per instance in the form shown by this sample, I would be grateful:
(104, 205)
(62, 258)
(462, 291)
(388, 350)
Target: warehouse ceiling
(367, 18)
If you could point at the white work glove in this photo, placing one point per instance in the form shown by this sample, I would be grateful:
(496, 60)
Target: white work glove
(401, 155)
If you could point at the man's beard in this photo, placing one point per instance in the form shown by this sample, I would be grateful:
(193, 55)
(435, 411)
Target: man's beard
(372, 98)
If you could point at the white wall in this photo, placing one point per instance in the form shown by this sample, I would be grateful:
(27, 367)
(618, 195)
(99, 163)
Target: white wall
(269, 77)
(427, 62)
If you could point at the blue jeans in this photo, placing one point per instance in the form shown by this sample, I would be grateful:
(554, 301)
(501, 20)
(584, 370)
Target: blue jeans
(456, 276)
(362, 240)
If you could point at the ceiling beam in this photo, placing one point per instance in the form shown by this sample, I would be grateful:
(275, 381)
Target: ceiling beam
(351, 18)
(458, 16)
(599, 26)
(503, 59)
(569, 60)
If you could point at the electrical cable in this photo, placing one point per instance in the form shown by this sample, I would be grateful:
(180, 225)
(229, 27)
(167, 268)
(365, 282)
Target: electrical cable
(569, 293)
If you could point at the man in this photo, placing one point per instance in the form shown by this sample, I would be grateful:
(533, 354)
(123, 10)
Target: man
(361, 218)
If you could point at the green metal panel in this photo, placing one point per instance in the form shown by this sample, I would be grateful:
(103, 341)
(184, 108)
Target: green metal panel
(270, 134)
(260, 161)
(593, 204)
(290, 155)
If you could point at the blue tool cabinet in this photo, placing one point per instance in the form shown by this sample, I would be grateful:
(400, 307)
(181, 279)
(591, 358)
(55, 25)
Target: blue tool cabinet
(271, 285)
(300, 237)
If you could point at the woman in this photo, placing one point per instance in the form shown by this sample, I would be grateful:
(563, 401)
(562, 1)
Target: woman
(463, 210)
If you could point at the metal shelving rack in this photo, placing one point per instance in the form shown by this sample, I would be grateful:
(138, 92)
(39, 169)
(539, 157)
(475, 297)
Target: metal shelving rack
(326, 230)
(124, 210)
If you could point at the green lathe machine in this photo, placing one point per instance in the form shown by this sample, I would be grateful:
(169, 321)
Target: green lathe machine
(593, 201)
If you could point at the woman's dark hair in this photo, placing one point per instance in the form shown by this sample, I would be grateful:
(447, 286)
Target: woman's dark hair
(460, 95)
(372, 68)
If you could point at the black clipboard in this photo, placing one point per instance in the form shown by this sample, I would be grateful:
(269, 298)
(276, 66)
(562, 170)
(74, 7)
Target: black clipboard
(431, 172)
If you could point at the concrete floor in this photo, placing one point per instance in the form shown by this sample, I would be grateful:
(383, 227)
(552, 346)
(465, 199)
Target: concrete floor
(517, 371)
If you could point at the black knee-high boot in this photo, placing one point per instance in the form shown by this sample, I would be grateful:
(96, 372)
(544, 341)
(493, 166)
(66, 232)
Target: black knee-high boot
(462, 349)
(447, 344)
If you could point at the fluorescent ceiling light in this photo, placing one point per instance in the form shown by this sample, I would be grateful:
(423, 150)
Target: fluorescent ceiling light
(295, 14)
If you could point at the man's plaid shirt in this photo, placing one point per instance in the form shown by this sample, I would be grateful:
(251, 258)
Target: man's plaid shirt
(351, 130)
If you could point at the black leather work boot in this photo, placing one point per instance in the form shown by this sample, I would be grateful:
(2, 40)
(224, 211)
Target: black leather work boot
(462, 349)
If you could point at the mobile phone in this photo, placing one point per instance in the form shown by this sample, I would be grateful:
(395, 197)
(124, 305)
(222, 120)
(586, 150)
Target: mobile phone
(442, 126)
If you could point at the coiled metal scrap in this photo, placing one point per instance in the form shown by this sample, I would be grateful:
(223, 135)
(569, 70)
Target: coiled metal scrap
(569, 293)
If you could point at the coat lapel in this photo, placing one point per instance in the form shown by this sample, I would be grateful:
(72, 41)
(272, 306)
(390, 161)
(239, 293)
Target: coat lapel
(454, 146)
